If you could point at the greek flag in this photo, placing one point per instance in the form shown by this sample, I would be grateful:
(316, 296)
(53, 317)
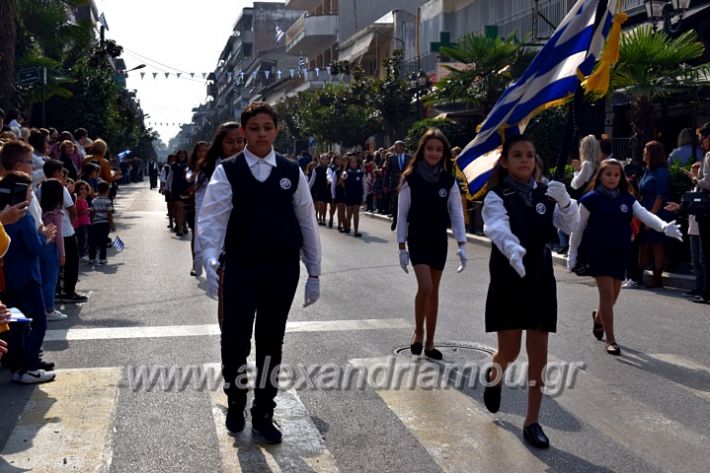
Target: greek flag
(118, 244)
(550, 80)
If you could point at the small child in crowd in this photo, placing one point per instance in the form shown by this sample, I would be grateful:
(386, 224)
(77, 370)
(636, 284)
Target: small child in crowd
(101, 223)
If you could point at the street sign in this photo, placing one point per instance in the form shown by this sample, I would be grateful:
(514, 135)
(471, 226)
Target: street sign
(30, 75)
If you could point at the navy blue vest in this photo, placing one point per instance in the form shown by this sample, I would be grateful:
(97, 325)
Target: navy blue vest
(354, 182)
(429, 212)
(609, 224)
(262, 227)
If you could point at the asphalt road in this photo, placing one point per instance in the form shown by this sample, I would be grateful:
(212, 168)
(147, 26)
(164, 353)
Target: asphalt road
(646, 411)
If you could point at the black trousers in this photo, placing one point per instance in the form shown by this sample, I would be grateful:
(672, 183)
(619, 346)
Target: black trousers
(704, 227)
(98, 234)
(264, 292)
(71, 264)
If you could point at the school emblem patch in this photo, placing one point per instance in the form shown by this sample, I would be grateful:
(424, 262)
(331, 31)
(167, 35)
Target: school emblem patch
(285, 183)
(624, 208)
(443, 193)
(540, 208)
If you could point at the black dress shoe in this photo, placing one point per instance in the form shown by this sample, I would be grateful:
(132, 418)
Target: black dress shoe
(597, 329)
(266, 428)
(491, 394)
(534, 436)
(434, 354)
(235, 419)
(45, 365)
(416, 348)
(613, 349)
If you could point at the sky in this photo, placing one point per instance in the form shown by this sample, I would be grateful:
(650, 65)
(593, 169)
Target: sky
(170, 36)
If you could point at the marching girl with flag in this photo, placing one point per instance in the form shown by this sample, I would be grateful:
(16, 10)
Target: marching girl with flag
(521, 217)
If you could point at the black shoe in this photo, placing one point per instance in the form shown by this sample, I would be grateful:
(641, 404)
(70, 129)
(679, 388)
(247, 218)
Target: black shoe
(235, 419)
(700, 300)
(393, 226)
(613, 349)
(330, 222)
(265, 427)
(434, 354)
(73, 298)
(534, 436)
(597, 329)
(178, 234)
(491, 394)
(45, 365)
(193, 273)
(416, 348)
(357, 234)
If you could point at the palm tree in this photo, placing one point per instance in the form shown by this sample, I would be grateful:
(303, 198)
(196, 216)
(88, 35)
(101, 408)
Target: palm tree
(491, 63)
(653, 66)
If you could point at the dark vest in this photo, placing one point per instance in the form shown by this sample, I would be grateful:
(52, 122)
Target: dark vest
(609, 225)
(262, 227)
(321, 177)
(429, 212)
(533, 227)
(354, 182)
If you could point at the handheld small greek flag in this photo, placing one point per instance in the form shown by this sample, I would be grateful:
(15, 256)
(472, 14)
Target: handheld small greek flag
(118, 244)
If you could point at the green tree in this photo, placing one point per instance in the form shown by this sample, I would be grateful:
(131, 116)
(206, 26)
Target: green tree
(456, 133)
(393, 98)
(491, 63)
(653, 66)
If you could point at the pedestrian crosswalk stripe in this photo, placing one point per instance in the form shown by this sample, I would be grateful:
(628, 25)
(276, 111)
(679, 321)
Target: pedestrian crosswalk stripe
(66, 425)
(213, 329)
(679, 365)
(455, 430)
(303, 448)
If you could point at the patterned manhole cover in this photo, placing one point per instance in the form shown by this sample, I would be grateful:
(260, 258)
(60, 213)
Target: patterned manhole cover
(456, 352)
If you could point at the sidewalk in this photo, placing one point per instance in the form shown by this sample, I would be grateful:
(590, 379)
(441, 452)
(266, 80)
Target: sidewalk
(674, 280)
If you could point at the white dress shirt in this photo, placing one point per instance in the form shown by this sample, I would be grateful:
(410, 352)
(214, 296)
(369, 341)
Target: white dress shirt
(455, 213)
(213, 216)
(496, 222)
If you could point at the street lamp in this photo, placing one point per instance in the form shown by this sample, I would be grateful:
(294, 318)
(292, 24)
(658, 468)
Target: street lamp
(418, 83)
(663, 10)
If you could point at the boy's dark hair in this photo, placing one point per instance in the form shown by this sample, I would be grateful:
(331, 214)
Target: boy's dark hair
(37, 140)
(256, 108)
(80, 133)
(52, 195)
(103, 186)
(13, 152)
(52, 166)
(90, 167)
(605, 147)
(13, 177)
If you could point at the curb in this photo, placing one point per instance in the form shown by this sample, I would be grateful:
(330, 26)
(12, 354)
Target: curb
(674, 280)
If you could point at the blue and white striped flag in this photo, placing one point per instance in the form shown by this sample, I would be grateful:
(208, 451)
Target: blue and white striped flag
(118, 244)
(551, 79)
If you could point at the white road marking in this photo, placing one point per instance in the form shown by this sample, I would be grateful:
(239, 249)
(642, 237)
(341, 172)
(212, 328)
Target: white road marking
(109, 333)
(66, 425)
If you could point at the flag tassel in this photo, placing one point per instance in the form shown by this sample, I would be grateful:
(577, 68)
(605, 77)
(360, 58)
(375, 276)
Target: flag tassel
(597, 84)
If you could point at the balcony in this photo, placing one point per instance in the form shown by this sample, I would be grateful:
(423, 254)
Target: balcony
(307, 5)
(311, 34)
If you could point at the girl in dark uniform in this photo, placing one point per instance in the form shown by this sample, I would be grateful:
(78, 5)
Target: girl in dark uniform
(428, 198)
(605, 216)
(339, 192)
(320, 189)
(355, 194)
(520, 216)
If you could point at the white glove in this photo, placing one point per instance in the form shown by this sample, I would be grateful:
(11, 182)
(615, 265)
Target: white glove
(557, 191)
(571, 260)
(312, 291)
(404, 260)
(516, 260)
(462, 258)
(211, 265)
(672, 230)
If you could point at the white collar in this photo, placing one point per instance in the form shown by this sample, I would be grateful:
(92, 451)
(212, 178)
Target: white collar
(253, 159)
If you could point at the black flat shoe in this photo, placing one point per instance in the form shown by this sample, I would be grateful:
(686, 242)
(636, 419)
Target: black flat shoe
(598, 329)
(613, 349)
(235, 419)
(491, 394)
(535, 437)
(357, 234)
(266, 429)
(416, 348)
(330, 223)
(434, 354)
